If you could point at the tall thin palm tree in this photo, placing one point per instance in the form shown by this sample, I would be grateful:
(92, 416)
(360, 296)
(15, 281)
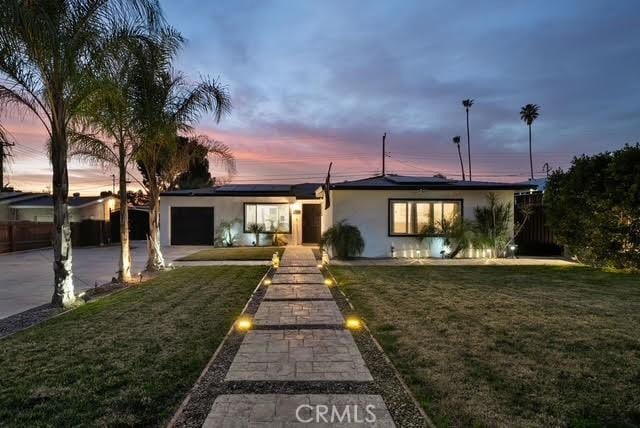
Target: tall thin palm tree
(456, 141)
(166, 104)
(467, 105)
(49, 53)
(528, 114)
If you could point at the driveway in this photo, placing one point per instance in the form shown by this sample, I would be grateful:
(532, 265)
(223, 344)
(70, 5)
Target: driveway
(26, 278)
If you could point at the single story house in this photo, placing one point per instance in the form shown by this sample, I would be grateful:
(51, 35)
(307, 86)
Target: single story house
(193, 217)
(39, 208)
(8, 198)
(389, 210)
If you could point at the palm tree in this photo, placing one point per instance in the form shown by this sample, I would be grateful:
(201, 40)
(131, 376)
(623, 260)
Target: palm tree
(467, 105)
(456, 141)
(528, 114)
(106, 130)
(166, 104)
(49, 53)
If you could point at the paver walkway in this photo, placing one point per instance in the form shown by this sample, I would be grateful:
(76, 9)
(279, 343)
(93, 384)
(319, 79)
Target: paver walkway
(299, 336)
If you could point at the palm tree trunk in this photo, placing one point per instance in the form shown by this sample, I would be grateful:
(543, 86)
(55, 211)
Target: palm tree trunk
(530, 155)
(461, 164)
(155, 261)
(469, 145)
(63, 292)
(124, 273)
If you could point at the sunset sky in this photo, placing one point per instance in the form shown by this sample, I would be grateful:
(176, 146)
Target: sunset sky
(319, 81)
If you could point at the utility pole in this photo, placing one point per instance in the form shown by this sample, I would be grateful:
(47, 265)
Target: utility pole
(546, 168)
(113, 184)
(3, 154)
(384, 153)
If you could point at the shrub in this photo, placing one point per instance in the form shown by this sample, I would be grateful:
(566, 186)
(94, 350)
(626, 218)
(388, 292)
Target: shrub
(345, 240)
(594, 208)
(225, 237)
(256, 229)
(493, 225)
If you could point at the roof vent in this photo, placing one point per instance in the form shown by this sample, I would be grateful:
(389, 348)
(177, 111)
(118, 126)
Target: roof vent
(76, 195)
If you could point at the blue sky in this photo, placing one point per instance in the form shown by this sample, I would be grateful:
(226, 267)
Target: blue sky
(315, 81)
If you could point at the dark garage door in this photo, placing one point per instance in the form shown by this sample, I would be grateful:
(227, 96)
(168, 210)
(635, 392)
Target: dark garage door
(191, 225)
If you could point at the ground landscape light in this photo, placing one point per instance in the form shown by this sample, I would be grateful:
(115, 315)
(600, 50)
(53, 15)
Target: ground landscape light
(353, 323)
(267, 281)
(327, 281)
(244, 323)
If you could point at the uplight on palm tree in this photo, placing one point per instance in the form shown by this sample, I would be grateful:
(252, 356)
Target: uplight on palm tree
(456, 141)
(50, 51)
(467, 105)
(528, 114)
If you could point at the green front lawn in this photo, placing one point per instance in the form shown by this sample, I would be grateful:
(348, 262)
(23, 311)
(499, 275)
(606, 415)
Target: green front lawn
(127, 359)
(233, 253)
(508, 346)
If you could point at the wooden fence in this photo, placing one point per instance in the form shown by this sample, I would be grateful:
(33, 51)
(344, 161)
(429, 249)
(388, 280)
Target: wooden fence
(535, 238)
(26, 235)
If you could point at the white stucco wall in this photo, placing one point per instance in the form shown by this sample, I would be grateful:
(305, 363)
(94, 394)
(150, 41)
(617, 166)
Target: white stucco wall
(225, 208)
(369, 211)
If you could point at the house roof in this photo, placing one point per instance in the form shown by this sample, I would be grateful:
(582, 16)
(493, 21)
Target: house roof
(300, 191)
(7, 197)
(428, 183)
(45, 201)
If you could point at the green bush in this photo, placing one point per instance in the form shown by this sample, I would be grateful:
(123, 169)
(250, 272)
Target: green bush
(594, 208)
(345, 240)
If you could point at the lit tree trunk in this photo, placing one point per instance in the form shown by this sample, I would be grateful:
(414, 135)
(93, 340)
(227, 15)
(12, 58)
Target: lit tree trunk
(155, 262)
(124, 273)
(63, 294)
(530, 154)
(461, 164)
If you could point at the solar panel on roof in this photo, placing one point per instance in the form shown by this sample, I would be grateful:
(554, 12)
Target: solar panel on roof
(401, 179)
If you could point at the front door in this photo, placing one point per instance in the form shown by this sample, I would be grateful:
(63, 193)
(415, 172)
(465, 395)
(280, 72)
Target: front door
(311, 223)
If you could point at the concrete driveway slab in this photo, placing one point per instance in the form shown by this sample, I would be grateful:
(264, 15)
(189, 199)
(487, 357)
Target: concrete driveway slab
(26, 278)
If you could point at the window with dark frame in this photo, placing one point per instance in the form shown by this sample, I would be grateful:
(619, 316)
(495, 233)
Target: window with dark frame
(272, 216)
(413, 217)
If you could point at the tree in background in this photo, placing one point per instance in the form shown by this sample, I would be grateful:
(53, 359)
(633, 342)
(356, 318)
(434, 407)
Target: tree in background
(594, 208)
(528, 114)
(456, 141)
(50, 51)
(191, 163)
(167, 104)
(467, 105)
(6, 154)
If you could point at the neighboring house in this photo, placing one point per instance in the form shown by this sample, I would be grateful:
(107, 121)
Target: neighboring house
(193, 217)
(389, 211)
(39, 209)
(7, 198)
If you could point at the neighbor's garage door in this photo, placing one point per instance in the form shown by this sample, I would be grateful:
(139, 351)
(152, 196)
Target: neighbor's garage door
(191, 225)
